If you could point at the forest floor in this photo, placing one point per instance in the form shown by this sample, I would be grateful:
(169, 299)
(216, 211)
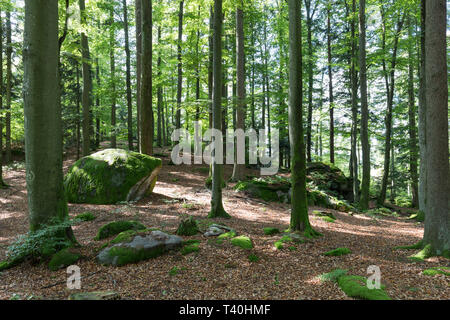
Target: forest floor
(221, 271)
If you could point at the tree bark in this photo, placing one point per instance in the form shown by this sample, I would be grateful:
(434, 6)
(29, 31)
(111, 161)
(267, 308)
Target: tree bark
(299, 202)
(87, 83)
(330, 84)
(365, 144)
(437, 217)
(217, 209)
(180, 66)
(112, 62)
(8, 88)
(128, 76)
(2, 183)
(138, 18)
(147, 125)
(43, 124)
(238, 170)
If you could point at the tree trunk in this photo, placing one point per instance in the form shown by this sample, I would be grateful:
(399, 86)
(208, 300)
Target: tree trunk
(354, 85)
(365, 145)
(437, 218)
(422, 114)
(128, 76)
(180, 66)
(8, 88)
(413, 152)
(217, 209)
(330, 85)
(43, 129)
(87, 83)
(238, 170)
(138, 18)
(112, 44)
(159, 95)
(309, 17)
(2, 184)
(147, 125)
(299, 211)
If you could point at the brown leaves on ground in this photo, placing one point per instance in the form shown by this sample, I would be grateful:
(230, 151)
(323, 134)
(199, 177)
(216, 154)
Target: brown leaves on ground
(221, 271)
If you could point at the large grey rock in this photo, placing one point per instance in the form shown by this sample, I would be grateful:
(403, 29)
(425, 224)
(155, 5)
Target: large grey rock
(215, 230)
(139, 248)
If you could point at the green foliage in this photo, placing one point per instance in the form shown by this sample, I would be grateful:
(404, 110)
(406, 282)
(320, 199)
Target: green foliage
(426, 252)
(193, 247)
(270, 231)
(332, 276)
(437, 270)
(243, 242)
(418, 216)
(62, 259)
(40, 244)
(227, 235)
(356, 287)
(253, 258)
(338, 252)
(278, 245)
(117, 227)
(86, 216)
(188, 227)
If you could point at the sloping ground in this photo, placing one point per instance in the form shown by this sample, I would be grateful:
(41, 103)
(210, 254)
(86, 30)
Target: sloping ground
(222, 271)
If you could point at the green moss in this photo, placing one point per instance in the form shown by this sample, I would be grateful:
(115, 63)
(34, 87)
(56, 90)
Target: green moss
(328, 219)
(188, 227)
(62, 259)
(243, 242)
(356, 287)
(338, 252)
(332, 276)
(286, 238)
(418, 245)
(4, 265)
(86, 216)
(418, 216)
(437, 270)
(125, 236)
(270, 231)
(126, 255)
(117, 227)
(106, 177)
(278, 245)
(194, 247)
(253, 258)
(423, 254)
(191, 241)
(323, 214)
(227, 235)
(174, 271)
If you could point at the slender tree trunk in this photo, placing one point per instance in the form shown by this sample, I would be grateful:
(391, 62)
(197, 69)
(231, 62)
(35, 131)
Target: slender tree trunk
(330, 85)
(128, 76)
(217, 209)
(2, 183)
(390, 86)
(437, 218)
(422, 114)
(309, 17)
(8, 87)
(112, 44)
(159, 95)
(43, 132)
(78, 122)
(87, 83)
(413, 143)
(299, 201)
(180, 66)
(138, 18)
(354, 84)
(238, 170)
(147, 125)
(97, 118)
(365, 145)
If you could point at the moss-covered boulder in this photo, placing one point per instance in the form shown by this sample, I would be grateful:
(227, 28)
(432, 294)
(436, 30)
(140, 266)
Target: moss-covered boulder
(140, 247)
(243, 242)
(110, 176)
(116, 227)
(356, 287)
(63, 259)
(337, 252)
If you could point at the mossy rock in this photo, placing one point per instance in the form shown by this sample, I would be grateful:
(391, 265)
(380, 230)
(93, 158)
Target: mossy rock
(262, 189)
(270, 231)
(188, 227)
(141, 247)
(356, 287)
(437, 270)
(332, 276)
(86, 216)
(418, 216)
(243, 242)
(63, 259)
(190, 248)
(338, 252)
(110, 176)
(125, 236)
(116, 227)
(227, 235)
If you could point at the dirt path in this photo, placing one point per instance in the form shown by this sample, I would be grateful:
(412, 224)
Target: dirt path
(222, 271)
